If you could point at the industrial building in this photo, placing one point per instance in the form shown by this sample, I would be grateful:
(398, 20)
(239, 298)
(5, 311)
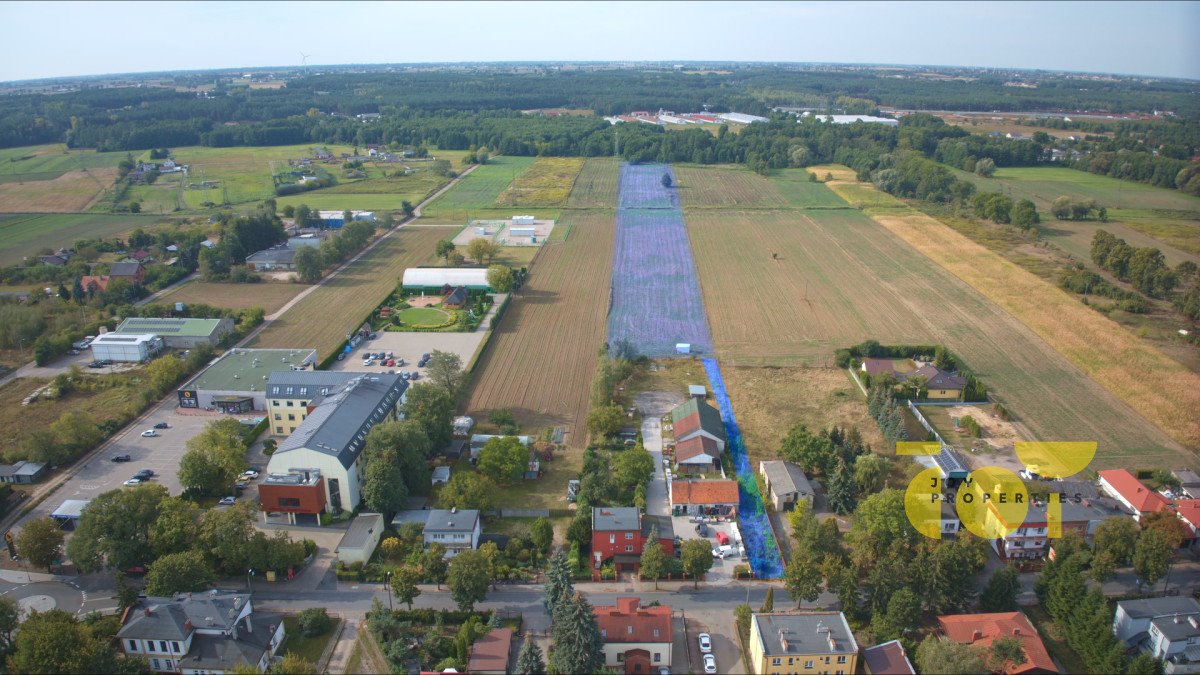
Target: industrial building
(237, 382)
(179, 333)
(126, 347)
(435, 278)
(337, 219)
(332, 439)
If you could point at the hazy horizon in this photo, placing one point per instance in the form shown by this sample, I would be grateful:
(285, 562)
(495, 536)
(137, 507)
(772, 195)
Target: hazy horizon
(1156, 39)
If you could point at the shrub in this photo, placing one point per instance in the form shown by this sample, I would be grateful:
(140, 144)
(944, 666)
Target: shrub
(314, 621)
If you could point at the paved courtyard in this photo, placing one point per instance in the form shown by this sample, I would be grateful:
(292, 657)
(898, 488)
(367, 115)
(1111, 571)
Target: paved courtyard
(160, 454)
(410, 347)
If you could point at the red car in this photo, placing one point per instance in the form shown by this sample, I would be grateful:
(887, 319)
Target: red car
(722, 538)
(389, 363)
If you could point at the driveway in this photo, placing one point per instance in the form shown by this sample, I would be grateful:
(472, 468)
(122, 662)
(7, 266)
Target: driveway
(718, 623)
(722, 569)
(653, 405)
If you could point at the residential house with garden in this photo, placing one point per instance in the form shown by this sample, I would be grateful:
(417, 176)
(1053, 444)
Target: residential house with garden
(457, 530)
(981, 630)
(802, 642)
(619, 533)
(636, 639)
(1167, 629)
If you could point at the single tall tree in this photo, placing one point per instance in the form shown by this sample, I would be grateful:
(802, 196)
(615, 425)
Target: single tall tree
(40, 542)
(802, 577)
(1001, 592)
(433, 563)
(529, 659)
(654, 559)
(559, 583)
(469, 578)
(578, 647)
(697, 559)
(1152, 555)
(404, 584)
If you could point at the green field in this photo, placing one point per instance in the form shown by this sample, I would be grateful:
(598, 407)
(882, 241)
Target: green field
(841, 277)
(421, 317)
(24, 234)
(1168, 216)
(46, 162)
(476, 194)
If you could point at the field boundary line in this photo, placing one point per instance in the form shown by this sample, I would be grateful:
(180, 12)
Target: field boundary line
(1116, 359)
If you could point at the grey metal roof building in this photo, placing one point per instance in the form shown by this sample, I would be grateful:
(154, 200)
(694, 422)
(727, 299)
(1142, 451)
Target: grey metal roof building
(275, 258)
(447, 520)
(338, 426)
(179, 333)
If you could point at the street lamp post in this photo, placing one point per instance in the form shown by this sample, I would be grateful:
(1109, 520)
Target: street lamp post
(387, 585)
(249, 573)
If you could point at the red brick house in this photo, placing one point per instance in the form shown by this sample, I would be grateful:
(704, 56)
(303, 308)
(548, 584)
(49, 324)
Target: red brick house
(620, 532)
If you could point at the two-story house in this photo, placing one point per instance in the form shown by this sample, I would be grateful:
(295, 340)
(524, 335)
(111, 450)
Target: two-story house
(802, 642)
(1166, 628)
(620, 532)
(636, 639)
(982, 630)
(456, 530)
(1066, 510)
(201, 633)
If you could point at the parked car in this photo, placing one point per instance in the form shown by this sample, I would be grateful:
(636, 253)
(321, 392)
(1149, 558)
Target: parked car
(133, 482)
(374, 335)
(250, 474)
(705, 643)
(228, 501)
(414, 375)
(391, 355)
(149, 433)
(702, 529)
(722, 552)
(425, 356)
(367, 362)
(162, 425)
(121, 458)
(722, 538)
(95, 364)
(404, 374)
(74, 352)
(710, 663)
(389, 363)
(144, 474)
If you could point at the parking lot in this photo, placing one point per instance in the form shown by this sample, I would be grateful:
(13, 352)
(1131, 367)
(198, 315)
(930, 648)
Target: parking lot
(722, 569)
(160, 454)
(410, 347)
(718, 623)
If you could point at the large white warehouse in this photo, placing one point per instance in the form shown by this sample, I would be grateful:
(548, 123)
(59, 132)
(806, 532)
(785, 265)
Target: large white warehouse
(126, 347)
(434, 278)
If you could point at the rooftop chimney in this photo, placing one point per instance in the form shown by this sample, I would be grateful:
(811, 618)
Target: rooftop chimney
(1016, 631)
(976, 635)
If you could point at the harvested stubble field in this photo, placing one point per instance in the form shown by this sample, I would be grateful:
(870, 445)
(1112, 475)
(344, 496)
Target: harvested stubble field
(547, 182)
(269, 296)
(543, 352)
(478, 191)
(351, 295)
(864, 282)
(596, 186)
(770, 401)
(24, 234)
(1134, 371)
(725, 187)
(69, 192)
(45, 162)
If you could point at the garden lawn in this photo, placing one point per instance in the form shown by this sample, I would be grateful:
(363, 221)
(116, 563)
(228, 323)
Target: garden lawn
(423, 317)
(308, 648)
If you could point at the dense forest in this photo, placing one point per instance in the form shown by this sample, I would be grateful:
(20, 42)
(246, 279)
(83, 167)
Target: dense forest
(466, 108)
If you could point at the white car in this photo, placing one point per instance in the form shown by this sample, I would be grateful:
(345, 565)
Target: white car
(705, 643)
(227, 501)
(149, 433)
(250, 474)
(133, 482)
(710, 663)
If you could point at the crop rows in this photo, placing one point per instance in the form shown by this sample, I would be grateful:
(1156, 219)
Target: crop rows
(547, 182)
(596, 186)
(656, 299)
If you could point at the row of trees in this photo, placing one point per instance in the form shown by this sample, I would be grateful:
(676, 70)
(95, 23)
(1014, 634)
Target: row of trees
(1145, 268)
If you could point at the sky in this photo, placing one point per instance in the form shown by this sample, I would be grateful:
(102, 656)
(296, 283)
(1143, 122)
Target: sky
(55, 39)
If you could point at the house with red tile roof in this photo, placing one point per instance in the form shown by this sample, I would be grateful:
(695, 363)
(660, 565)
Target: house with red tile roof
(698, 454)
(1125, 488)
(99, 283)
(489, 654)
(705, 497)
(697, 418)
(981, 630)
(1188, 511)
(636, 639)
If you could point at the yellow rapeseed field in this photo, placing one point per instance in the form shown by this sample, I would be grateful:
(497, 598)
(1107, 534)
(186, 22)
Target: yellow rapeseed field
(547, 182)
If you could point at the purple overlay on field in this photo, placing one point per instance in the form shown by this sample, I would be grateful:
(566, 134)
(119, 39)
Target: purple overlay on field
(655, 300)
(757, 534)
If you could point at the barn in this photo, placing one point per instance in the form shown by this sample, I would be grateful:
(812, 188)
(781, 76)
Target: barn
(434, 278)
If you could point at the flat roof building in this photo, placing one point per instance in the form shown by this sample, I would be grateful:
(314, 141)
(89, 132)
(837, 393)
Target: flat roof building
(360, 540)
(126, 347)
(179, 333)
(800, 642)
(435, 278)
(22, 472)
(237, 382)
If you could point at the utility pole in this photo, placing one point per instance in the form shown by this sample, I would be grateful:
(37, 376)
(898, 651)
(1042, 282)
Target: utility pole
(387, 585)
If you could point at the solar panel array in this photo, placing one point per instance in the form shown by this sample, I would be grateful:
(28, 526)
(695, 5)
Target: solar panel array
(154, 326)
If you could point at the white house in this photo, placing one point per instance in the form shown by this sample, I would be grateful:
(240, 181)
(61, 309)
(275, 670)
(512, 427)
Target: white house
(1166, 628)
(636, 639)
(201, 633)
(332, 437)
(456, 530)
